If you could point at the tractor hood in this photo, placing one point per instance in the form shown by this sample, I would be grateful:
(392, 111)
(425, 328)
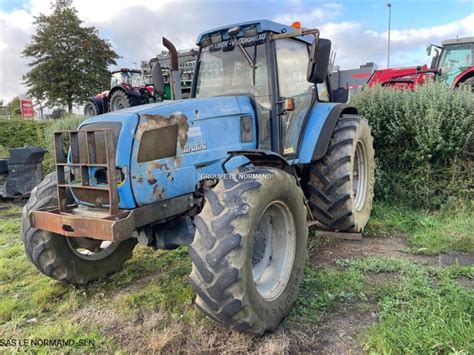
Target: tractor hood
(165, 149)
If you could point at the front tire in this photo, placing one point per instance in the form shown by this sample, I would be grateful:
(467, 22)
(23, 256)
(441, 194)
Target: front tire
(341, 184)
(70, 260)
(249, 249)
(91, 109)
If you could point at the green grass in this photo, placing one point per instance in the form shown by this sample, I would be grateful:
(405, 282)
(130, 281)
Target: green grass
(428, 232)
(426, 311)
(322, 290)
(420, 308)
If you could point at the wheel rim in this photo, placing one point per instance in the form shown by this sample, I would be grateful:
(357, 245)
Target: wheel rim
(118, 103)
(91, 249)
(273, 250)
(359, 176)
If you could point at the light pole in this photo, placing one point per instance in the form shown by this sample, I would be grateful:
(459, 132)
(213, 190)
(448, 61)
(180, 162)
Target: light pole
(389, 5)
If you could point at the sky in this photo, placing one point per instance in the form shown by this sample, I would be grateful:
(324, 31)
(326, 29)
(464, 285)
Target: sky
(357, 29)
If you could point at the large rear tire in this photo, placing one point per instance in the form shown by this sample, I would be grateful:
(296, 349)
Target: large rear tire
(120, 100)
(467, 84)
(341, 184)
(249, 249)
(70, 260)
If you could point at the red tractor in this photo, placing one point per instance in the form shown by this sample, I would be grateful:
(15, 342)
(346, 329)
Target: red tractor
(453, 64)
(128, 88)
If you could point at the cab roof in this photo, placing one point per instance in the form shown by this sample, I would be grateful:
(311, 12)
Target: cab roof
(261, 25)
(458, 41)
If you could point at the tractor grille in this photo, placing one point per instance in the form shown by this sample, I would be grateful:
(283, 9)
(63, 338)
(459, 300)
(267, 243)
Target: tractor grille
(85, 164)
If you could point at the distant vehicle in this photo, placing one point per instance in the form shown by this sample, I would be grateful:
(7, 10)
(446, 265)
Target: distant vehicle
(132, 87)
(128, 87)
(453, 64)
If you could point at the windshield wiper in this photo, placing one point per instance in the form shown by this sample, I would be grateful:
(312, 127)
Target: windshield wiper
(246, 54)
(232, 32)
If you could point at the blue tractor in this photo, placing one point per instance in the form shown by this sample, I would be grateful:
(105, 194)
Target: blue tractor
(237, 172)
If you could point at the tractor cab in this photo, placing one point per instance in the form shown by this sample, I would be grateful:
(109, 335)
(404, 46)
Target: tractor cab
(267, 62)
(453, 59)
(132, 77)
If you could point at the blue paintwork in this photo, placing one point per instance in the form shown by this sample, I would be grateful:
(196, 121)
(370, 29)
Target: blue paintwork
(214, 122)
(216, 119)
(261, 26)
(312, 131)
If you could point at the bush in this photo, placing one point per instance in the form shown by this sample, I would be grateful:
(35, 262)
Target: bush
(19, 133)
(423, 143)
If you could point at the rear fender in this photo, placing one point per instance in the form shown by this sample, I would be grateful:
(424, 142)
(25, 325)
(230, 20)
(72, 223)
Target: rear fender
(259, 157)
(318, 130)
(469, 72)
(130, 91)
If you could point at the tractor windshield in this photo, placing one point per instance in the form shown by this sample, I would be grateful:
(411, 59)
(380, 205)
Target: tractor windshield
(223, 70)
(127, 77)
(455, 58)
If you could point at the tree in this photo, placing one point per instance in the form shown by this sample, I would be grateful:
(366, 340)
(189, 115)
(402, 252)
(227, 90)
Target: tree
(69, 60)
(14, 107)
(58, 113)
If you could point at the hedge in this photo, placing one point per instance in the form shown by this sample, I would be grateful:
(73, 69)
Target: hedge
(423, 143)
(19, 133)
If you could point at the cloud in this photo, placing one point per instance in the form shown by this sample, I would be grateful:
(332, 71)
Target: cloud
(15, 31)
(135, 30)
(314, 17)
(355, 44)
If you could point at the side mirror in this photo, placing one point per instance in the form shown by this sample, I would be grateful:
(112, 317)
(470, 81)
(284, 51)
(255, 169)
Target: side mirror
(157, 78)
(433, 64)
(428, 50)
(435, 60)
(318, 61)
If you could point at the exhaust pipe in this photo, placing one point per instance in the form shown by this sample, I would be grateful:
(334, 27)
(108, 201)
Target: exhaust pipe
(175, 76)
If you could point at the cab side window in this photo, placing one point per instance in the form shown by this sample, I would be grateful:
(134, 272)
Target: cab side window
(292, 62)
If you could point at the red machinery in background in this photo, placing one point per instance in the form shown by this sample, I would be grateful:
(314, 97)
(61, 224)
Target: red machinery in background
(453, 64)
(402, 78)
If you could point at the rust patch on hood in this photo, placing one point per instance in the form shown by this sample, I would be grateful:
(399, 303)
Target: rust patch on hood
(152, 166)
(150, 178)
(158, 121)
(158, 191)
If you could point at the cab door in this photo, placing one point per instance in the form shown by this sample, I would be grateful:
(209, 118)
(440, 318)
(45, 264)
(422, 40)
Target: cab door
(292, 61)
